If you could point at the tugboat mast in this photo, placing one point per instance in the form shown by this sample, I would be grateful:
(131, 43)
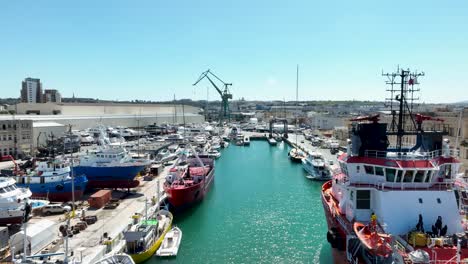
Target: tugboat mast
(406, 91)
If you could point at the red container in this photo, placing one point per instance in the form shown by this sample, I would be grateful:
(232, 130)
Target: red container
(100, 198)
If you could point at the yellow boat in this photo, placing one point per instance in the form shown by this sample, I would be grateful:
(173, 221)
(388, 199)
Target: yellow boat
(145, 237)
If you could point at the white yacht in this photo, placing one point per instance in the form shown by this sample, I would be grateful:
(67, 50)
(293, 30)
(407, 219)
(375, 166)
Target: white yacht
(12, 205)
(316, 167)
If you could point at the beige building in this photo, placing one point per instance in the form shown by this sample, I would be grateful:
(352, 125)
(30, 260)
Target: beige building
(16, 137)
(100, 109)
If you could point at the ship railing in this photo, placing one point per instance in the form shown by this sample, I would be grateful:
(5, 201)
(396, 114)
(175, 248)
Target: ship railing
(429, 155)
(446, 185)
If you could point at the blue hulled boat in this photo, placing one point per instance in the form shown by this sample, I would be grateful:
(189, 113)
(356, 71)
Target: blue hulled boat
(110, 167)
(52, 180)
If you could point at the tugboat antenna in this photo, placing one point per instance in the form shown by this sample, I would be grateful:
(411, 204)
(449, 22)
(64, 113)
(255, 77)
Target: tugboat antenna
(404, 100)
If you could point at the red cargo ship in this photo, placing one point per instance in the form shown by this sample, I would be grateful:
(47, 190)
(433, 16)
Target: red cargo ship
(187, 185)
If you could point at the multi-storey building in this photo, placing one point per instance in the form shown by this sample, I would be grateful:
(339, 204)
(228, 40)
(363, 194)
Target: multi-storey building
(31, 91)
(51, 95)
(16, 137)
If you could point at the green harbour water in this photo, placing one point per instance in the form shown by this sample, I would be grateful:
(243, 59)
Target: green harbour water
(261, 209)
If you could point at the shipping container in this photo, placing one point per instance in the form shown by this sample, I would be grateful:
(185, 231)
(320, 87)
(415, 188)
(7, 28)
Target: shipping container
(100, 198)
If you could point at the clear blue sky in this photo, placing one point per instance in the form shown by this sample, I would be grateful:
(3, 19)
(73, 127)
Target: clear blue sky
(154, 49)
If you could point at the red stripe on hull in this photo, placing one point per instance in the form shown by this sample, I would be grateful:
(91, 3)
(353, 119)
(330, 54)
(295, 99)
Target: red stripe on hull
(11, 220)
(122, 184)
(59, 197)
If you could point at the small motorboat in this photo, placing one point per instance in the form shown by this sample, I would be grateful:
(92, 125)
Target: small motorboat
(171, 243)
(272, 141)
(377, 243)
(296, 155)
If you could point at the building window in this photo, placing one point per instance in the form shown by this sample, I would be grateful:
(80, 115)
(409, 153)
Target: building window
(9, 137)
(439, 201)
(420, 200)
(363, 199)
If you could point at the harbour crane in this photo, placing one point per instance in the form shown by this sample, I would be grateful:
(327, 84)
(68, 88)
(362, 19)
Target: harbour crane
(225, 94)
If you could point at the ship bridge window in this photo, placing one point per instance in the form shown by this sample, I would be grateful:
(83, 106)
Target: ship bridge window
(429, 176)
(379, 171)
(363, 199)
(390, 174)
(419, 177)
(2, 190)
(398, 175)
(408, 176)
(369, 169)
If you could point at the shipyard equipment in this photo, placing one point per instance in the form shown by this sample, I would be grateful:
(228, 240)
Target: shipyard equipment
(225, 94)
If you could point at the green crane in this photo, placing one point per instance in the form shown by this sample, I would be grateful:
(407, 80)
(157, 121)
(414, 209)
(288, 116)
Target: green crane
(225, 95)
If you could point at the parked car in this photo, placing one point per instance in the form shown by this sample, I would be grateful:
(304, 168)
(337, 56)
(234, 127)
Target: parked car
(55, 209)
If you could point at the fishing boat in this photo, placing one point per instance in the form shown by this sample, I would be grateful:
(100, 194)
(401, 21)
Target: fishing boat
(185, 185)
(407, 191)
(145, 237)
(171, 243)
(120, 258)
(52, 179)
(296, 155)
(110, 167)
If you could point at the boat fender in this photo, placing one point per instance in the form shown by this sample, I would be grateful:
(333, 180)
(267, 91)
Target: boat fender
(59, 187)
(331, 238)
(334, 239)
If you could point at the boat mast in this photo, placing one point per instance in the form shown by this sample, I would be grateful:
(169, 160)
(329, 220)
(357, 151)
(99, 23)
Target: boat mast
(71, 171)
(297, 92)
(405, 100)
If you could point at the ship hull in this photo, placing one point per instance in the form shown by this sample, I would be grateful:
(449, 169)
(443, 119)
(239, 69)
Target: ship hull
(183, 198)
(11, 217)
(60, 191)
(111, 176)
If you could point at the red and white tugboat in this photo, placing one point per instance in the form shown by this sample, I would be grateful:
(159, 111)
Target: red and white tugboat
(391, 203)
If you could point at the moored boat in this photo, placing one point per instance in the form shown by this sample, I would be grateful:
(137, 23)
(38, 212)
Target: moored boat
(186, 185)
(406, 192)
(171, 243)
(145, 237)
(296, 155)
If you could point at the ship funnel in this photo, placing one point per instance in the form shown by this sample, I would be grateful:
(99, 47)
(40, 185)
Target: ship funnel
(446, 148)
(348, 147)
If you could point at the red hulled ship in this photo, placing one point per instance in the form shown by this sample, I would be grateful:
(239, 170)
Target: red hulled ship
(395, 203)
(188, 184)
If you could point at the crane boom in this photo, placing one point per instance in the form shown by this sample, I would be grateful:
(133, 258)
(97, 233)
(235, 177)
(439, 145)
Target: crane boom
(225, 95)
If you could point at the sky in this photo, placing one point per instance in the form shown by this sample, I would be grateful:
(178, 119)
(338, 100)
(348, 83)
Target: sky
(153, 50)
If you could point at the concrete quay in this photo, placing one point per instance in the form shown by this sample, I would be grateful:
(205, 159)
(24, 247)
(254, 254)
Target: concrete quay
(87, 245)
